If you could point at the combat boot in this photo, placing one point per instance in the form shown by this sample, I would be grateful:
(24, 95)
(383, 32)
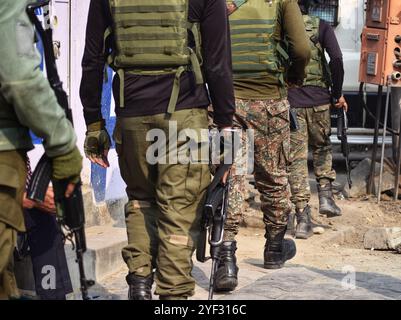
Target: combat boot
(291, 225)
(327, 205)
(226, 278)
(140, 288)
(304, 228)
(277, 249)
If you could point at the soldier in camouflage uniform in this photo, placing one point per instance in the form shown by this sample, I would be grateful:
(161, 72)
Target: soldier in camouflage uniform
(312, 105)
(258, 30)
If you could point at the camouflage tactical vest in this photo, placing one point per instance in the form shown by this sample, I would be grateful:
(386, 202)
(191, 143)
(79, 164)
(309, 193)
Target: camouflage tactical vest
(151, 38)
(256, 51)
(317, 71)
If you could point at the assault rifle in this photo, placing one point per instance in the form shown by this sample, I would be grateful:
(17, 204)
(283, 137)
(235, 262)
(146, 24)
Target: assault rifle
(342, 127)
(213, 220)
(70, 211)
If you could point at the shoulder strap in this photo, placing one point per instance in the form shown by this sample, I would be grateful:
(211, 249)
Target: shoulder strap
(234, 6)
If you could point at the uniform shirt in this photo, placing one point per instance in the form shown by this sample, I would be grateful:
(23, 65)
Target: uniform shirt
(312, 96)
(291, 25)
(149, 95)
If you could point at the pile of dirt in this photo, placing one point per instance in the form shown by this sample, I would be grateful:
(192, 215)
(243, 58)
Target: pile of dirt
(361, 214)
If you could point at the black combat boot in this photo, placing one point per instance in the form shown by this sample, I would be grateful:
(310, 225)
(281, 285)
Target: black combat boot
(304, 228)
(327, 205)
(291, 225)
(226, 278)
(140, 288)
(277, 249)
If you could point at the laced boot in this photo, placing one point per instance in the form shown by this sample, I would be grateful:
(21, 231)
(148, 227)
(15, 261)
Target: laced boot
(327, 205)
(304, 228)
(226, 278)
(140, 288)
(277, 249)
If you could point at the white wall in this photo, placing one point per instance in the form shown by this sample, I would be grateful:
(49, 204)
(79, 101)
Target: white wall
(114, 186)
(70, 31)
(348, 34)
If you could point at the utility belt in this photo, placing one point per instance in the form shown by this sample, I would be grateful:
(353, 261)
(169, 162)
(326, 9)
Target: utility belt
(193, 67)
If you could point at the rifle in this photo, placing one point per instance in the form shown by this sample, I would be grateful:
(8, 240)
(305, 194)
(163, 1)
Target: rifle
(70, 211)
(213, 220)
(342, 127)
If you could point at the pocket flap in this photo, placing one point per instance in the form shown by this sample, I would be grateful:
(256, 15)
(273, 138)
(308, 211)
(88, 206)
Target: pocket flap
(321, 108)
(9, 176)
(277, 108)
(196, 135)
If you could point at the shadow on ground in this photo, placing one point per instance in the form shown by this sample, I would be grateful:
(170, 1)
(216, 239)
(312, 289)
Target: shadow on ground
(298, 282)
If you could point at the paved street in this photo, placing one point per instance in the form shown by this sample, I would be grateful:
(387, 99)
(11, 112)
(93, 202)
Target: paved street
(318, 272)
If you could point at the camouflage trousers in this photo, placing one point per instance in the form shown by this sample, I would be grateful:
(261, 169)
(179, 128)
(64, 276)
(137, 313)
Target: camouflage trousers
(314, 129)
(269, 121)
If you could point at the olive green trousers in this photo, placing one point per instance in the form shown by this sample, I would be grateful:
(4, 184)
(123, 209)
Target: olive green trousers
(12, 187)
(165, 197)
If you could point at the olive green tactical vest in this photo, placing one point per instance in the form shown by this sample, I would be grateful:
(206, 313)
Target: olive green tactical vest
(317, 71)
(256, 52)
(151, 38)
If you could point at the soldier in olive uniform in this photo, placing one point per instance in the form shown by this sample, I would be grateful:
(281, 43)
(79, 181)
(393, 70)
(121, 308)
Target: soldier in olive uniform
(312, 104)
(159, 84)
(26, 102)
(261, 55)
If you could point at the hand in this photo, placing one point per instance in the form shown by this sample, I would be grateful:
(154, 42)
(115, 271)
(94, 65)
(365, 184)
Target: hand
(27, 203)
(97, 144)
(225, 177)
(47, 206)
(342, 104)
(68, 167)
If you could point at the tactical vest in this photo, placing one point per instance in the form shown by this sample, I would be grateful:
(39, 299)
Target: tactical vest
(256, 51)
(151, 38)
(317, 71)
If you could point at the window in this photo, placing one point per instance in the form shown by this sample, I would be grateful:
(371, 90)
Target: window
(327, 10)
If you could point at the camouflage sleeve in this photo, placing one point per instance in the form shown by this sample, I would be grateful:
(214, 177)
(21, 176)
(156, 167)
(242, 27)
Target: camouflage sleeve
(23, 84)
(293, 28)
